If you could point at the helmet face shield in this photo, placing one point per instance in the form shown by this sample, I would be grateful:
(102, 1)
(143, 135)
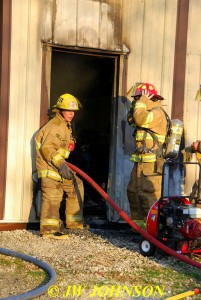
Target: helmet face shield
(67, 102)
(139, 87)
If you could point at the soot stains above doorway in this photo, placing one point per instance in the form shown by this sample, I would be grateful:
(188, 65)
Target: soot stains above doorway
(91, 79)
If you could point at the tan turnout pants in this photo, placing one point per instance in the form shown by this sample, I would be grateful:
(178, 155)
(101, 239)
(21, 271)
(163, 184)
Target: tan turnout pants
(143, 190)
(52, 195)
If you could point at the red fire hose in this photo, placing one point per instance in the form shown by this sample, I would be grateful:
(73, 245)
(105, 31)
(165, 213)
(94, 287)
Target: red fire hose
(124, 216)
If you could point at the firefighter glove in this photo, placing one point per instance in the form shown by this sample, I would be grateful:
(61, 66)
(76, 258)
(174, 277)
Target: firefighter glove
(199, 147)
(147, 94)
(65, 172)
(196, 146)
(187, 154)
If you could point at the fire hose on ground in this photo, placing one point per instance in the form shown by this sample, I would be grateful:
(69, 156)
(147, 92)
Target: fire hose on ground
(39, 290)
(142, 232)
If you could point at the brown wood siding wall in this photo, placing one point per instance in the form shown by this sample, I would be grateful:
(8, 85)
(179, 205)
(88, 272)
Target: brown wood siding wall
(36, 9)
(180, 60)
(5, 38)
(44, 93)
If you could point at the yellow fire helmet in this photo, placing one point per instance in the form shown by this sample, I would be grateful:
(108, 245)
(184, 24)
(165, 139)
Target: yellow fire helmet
(68, 102)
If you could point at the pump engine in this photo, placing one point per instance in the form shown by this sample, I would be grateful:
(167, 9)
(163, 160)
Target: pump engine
(176, 223)
(181, 217)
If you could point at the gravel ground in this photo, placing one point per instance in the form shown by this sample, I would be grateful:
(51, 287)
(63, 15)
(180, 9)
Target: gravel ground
(105, 261)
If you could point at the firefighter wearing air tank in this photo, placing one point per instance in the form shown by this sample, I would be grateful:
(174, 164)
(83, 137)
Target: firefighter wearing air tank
(149, 121)
(54, 142)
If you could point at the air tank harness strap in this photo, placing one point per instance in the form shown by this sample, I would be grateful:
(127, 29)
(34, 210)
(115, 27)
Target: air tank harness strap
(144, 149)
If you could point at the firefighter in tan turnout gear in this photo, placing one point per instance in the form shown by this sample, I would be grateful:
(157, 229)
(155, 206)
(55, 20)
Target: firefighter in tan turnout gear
(54, 142)
(149, 121)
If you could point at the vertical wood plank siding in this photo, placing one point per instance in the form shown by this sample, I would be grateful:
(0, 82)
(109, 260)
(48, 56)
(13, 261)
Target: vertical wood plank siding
(152, 31)
(149, 29)
(24, 107)
(5, 33)
(192, 108)
(180, 60)
(86, 23)
(146, 28)
(44, 105)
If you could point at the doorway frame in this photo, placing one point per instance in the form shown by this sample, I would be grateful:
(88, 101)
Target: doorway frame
(119, 93)
(120, 73)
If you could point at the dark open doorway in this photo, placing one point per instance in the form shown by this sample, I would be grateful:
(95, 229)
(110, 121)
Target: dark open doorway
(91, 78)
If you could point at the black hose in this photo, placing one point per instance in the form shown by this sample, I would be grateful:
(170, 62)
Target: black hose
(38, 290)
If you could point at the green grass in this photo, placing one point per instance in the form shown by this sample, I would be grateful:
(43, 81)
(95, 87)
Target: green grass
(176, 277)
(20, 267)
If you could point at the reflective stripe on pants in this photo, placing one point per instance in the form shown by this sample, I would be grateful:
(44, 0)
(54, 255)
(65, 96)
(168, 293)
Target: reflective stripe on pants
(52, 195)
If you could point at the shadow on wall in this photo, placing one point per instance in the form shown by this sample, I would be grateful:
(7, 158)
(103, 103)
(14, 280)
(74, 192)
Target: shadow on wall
(37, 197)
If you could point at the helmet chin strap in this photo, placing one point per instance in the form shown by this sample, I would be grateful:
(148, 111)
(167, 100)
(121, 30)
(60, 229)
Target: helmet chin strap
(69, 125)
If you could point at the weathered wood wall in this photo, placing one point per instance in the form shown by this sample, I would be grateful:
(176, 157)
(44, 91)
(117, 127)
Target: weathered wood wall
(145, 28)
(192, 108)
(24, 106)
